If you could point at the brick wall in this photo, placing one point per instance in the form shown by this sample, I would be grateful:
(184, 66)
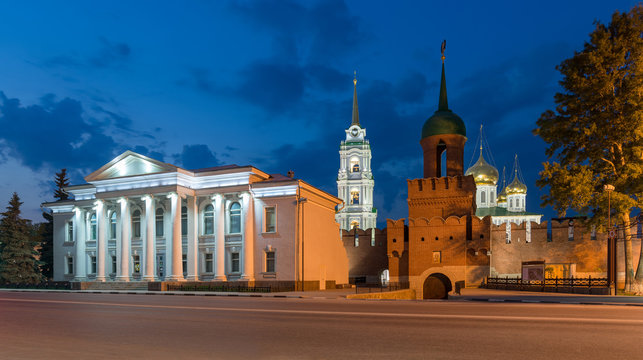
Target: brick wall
(368, 259)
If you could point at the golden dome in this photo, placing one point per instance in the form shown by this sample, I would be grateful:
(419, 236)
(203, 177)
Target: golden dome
(502, 197)
(483, 173)
(516, 187)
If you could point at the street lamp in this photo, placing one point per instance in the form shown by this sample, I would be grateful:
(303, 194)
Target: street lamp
(611, 243)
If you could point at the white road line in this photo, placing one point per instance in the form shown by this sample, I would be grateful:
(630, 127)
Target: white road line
(345, 313)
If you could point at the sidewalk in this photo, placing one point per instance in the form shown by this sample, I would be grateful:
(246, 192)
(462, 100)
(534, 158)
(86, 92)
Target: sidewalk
(491, 295)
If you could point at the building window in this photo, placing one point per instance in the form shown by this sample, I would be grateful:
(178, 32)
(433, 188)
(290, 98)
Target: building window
(437, 257)
(354, 197)
(159, 222)
(235, 218)
(570, 230)
(137, 264)
(493, 195)
(208, 220)
(184, 221)
(355, 165)
(208, 263)
(184, 261)
(112, 225)
(270, 261)
(92, 266)
(270, 219)
(136, 224)
(92, 226)
(483, 198)
(70, 230)
(113, 264)
(511, 203)
(70, 266)
(234, 262)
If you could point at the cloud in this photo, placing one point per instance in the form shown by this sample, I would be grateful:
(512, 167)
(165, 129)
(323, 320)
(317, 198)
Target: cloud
(53, 133)
(196, 156)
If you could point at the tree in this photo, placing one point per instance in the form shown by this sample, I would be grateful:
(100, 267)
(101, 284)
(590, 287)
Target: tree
(46, 229)
(18, 263)
(595, 134)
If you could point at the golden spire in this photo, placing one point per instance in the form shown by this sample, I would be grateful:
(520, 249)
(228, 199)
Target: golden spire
(355, 109)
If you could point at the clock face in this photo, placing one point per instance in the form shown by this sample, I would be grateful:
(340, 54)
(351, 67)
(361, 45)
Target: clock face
(354, 132)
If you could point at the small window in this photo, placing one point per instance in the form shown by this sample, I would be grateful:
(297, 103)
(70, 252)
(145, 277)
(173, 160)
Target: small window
(208, 220)
(437, 238)
(159, 222)
(356, 168)
(70, 266)
(354, 197)
(92, 225)
(270, 261)
(208, 263)
(136, 259)
(354, 164)
(184, 221)
(136, 224)
(113, 264)
(70, 231)
(92, 266)
(422, 239)
(234, 262)
(570, 231)
(481, 236)
(394, 240)
(270, 219)
(483, 198)
(235, 218)
(184, 261)
(112, 225)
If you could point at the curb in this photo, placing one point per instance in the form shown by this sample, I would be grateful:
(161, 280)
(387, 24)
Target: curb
(166, 293)
(549, 302)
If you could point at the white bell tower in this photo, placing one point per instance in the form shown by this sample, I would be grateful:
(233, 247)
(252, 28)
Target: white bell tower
(355, 179)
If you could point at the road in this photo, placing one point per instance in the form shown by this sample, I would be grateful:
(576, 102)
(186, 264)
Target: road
(73, 325)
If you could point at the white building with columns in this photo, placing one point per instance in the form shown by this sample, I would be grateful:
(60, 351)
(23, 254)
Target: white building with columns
(139, 219)
(355, 181)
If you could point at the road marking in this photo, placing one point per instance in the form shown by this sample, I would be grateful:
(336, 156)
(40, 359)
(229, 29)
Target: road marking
(342, 313)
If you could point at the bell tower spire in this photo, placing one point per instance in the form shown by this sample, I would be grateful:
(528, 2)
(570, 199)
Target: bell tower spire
(355, 109)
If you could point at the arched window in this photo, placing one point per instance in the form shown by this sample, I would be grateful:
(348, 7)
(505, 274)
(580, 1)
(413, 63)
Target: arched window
(483, 198)
(136, 224)
(208, 220)
(92, 226)
(159, 222)
(493, 195)
(184, 221)
(235, 218)
(112, 225)
(511, 203)
(354, 197)
(355, 164)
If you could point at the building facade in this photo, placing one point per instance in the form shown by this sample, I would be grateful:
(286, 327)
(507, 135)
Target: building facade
(139, 219)
(355, 181)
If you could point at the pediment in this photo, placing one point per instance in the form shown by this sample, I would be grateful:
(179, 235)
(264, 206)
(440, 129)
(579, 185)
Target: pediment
(129, 164)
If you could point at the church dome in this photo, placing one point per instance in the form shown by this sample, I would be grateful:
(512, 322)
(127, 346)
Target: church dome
(502, 197)
(483, 173)
(516, 187)
(443, 121)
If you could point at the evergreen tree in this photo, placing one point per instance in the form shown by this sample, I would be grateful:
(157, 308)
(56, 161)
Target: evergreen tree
(595, 134)
(46, 229)
(18, 263)
(62, 181)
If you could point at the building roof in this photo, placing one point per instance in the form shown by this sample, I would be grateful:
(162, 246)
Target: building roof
(443, 121)
(500, 211)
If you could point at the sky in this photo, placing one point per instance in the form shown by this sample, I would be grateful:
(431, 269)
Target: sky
(270, 83)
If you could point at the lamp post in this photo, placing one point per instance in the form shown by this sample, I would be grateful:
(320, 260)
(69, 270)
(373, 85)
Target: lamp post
(301, 201)
(611, 243)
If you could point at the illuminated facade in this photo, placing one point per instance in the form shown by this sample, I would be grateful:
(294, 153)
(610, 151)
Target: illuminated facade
(139, 219)
(355, 181)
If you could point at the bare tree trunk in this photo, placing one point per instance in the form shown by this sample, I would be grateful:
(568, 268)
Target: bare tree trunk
(627, 247)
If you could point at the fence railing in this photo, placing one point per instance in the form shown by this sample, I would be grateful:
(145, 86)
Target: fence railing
(55, 285)
(218, 288)
(369, 288)
(570, 284)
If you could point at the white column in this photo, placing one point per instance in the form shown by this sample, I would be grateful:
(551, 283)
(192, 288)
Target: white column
(248, 238)
(192, 239)
(100, 243)
(176, 272)
(79, 240)
(220, 239)
(126, 225)
(150, 238)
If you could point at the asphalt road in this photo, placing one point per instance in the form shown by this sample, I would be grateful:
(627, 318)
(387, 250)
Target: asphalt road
(72, 325)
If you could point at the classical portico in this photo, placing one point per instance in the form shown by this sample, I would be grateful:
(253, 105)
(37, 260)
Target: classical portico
(139, 219)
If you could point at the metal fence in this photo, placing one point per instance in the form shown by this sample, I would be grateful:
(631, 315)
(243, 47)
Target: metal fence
(369, 288)
(568, 285)
(218, 288)
(52, 285)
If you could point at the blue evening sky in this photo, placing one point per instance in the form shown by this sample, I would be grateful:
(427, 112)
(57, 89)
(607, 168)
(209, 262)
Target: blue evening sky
(269, 83)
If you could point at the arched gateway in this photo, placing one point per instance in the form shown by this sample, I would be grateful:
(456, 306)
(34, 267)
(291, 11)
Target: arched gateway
(436, 286)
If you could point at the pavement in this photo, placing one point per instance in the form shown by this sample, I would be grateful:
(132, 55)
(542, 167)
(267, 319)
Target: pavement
(467, 294)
